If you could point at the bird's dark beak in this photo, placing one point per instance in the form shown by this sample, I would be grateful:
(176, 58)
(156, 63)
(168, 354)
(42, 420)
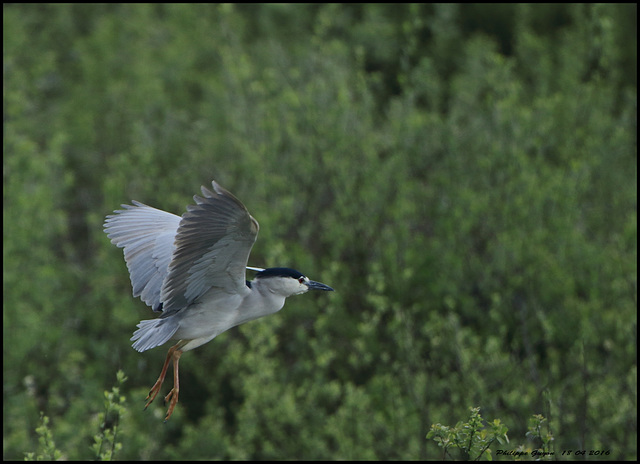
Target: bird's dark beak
(318, 286)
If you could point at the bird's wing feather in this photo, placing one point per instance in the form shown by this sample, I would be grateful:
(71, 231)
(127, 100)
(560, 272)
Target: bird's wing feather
(211, 249)
(147, 235)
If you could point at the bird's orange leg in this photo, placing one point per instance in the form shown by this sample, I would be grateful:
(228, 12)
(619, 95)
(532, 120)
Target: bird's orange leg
(156, 386)
(173, 394)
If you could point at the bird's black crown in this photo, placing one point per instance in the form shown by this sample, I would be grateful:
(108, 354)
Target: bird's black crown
(279, 272)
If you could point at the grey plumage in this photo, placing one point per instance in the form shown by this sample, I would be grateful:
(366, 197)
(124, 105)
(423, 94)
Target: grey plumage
(192, 269)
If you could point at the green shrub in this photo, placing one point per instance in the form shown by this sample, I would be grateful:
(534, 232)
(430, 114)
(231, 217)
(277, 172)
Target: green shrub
(465, 177)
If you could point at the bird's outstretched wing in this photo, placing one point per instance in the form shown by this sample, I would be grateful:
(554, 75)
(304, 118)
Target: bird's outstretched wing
(173, 260)
(147, 235)
(211, 249)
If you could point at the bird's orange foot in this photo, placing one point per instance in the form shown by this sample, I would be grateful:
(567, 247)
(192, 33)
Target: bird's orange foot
(173, 351)
(173, 354)
(153, 392)
(172, 396)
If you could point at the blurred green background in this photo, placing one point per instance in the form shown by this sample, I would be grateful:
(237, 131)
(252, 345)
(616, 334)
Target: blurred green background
(465, 177)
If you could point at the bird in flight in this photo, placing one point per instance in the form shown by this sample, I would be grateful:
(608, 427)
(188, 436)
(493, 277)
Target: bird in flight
(192, 270)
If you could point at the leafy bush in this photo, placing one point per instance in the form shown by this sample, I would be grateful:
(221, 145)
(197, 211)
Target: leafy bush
(465, 177)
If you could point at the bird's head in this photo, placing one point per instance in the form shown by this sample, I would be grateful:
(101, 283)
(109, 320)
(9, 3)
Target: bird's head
(288, 282)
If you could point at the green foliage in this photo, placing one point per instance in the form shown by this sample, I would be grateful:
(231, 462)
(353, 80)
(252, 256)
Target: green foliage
(48, 451)
(536, 424)
(472, 439)
(465, 177)
(106, 444)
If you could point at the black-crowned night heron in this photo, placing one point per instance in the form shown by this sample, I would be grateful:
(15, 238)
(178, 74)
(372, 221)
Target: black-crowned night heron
(191, 269)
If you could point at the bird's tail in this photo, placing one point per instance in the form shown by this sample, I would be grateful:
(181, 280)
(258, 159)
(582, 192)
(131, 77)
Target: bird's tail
(152, 333)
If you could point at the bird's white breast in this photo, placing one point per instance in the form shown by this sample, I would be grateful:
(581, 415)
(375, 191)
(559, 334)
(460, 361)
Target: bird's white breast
(217, 312)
